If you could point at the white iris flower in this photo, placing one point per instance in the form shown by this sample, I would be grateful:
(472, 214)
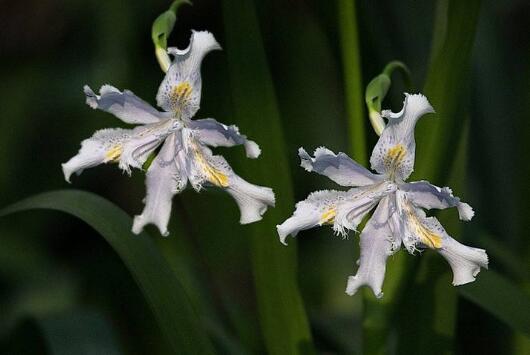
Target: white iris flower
(398, 217)
(184, 154)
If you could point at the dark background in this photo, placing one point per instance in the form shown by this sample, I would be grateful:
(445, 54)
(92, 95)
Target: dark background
(56, 268)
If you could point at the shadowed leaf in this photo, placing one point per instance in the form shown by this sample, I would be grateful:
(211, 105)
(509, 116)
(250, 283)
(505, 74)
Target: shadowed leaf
(164, 294)
(282, 316)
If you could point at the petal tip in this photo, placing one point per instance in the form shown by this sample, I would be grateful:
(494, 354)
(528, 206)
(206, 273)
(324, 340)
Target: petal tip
(351, 286)
(206, 40)
(107, 89)
(465, 211)
(91, 97)
(67, 172)
(418, 103)
(282, 234)
(138, 224)
(465, 261)
(252, 149)
(246, 219)
(306, 161)
(354, 283)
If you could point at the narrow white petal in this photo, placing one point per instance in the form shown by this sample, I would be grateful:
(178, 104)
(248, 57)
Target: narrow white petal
(394, 152)
(425, 195)
(213, 170)
(205, 168)
(418, 230)
(104, 146)
(464, 261)
(216, 134)
(180, 91)
(427, 232)
(376, 246)
(338, 167)
(252, 149)
(142, 142)
(465, 211)
(358, 202)
(252, 200)
(318, 208)
(201, 42)
(128, 147)
(125, 105)
(163, 180)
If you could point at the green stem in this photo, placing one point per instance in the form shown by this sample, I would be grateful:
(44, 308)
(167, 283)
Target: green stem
(397, 65)
(353, 88)
(375, 318)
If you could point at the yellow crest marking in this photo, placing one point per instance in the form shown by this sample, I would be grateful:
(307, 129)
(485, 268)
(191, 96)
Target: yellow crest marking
(214, 176)
(427, 237)
(395, 156)
(181, 92)
(114, 153)
(328, 217)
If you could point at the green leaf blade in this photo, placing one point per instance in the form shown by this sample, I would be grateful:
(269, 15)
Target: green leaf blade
(445, 87)
(164, 294)
(282, 317)
(499, 296)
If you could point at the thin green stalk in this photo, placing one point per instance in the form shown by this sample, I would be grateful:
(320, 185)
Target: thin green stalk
(353, 87)
(397, 65)
(375, 320)
(377, 89)
(375, 317)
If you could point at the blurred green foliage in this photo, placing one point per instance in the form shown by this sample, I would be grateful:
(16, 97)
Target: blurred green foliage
(292, 91)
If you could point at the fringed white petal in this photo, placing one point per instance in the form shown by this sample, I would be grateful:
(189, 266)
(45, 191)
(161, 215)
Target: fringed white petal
(394, 153)
(213, 170)
(216, 134)
(142, 142)
(358, 202)
(103, 147)
(318, 208)
(425, 195)
(252, 149)
(376, 246)
(201, 42)
(128, 147)
(180, 91)
(252, 200)
(338, 167)
(163, 180)
(427, 232)
(464, 261)
(417, 230)
(465, 211)
(125, 105)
